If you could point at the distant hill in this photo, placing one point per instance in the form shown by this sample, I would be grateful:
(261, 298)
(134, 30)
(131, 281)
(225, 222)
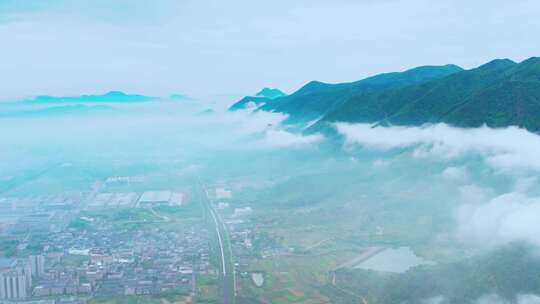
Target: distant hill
(180, 97)
(76, 109)
(112, 97)
(206, 112)
(315, 99)
(262, 97)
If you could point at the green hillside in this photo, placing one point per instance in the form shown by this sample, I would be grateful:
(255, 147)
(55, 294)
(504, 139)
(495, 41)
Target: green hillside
(421, 103)
(440, 96)
(515, 101)
(508, 272)
(316, 98)
(500, 93)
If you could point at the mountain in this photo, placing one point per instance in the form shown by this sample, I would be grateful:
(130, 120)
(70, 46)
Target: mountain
(270, 93)
(420, 103)
(262, 97)
(498, 94)
(315, 99)
(441, 96)
(111, 97)
(76, 109)
(514, 101)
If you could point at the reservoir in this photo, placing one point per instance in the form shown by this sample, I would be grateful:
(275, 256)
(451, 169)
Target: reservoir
(393, 260)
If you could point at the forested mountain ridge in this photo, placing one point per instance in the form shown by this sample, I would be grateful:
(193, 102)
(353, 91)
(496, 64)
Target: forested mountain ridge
(499, 93)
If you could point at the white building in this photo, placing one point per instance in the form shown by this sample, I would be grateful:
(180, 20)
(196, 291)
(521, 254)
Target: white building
(37, 264)
(222, 193)
(240, 212)
(14, 284)
(152, 198)
(155, 198)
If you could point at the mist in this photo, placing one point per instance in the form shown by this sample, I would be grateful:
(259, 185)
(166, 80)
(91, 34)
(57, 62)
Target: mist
(484, 178)
(465, 192)
(485, 217)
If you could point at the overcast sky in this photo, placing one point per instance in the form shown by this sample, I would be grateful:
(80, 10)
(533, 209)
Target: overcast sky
(223, 49)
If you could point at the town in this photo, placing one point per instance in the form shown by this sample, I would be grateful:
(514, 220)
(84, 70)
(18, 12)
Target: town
(76, 248)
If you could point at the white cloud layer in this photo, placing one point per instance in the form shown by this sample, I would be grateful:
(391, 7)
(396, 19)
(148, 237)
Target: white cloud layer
(501, 220)
(161, 127)
(485, 218)
(505, 149)
(282, 138)
(247, 122)
(454, 173)
(495, 299)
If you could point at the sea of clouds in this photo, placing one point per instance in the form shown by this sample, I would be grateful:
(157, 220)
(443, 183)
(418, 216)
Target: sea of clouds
(169, 129)
(483, 216)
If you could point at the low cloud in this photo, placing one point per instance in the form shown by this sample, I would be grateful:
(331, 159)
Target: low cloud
(505, 149)
(282, 138)
(454, 173)
(138, 132)
(486, 218)
(434, 300)
(501, 220)
(247, 122)
(381, 163)
(495, 299)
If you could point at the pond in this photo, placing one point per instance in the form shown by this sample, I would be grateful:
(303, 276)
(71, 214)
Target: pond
(258, 279)
(393, 260)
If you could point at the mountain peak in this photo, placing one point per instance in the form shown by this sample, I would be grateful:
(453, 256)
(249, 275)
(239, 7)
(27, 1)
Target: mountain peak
(527, 70)
(410, 76)
(312, 86)
(497, 64)
(530, 62)
(115, 93)
(446, 68)
(271, 93)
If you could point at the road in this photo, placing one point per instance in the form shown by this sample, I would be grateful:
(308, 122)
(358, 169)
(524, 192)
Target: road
(227, 272)
(364, 256)
(163, 217)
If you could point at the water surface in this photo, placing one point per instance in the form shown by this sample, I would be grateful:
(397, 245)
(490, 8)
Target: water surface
(393, 260)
